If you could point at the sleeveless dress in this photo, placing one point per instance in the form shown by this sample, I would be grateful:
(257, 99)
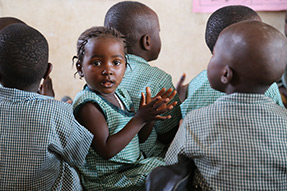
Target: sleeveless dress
(128, 169)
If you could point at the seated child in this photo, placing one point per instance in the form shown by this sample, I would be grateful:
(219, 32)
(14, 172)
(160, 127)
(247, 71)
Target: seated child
(239, 141)
(200, 93)
(140, 25)
(41, 142)
(114, 161)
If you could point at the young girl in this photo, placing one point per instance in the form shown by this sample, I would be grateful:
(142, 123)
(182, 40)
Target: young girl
(114, 161)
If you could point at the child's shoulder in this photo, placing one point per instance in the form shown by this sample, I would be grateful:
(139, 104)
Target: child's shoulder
(141, 66)
(85, 96)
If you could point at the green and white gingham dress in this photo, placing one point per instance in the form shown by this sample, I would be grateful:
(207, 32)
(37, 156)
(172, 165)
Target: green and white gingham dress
(128, 169)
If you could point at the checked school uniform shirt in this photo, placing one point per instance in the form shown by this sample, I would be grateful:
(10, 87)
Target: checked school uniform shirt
(237, 143)
(200, 94)
(139, 76)
(40, 142)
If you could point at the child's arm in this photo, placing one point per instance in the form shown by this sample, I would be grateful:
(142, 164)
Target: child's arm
(107, 145)
(169, 94)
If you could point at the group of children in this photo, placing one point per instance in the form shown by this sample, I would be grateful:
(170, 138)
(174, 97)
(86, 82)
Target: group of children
(125, 121)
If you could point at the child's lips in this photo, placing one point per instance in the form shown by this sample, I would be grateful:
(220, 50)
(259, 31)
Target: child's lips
(107, 83)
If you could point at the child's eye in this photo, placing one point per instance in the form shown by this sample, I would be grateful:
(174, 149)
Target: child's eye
(97, 63)
(117, 62)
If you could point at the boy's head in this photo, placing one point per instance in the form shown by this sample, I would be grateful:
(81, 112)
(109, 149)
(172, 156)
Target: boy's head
(23, 57)
(139, 24)
(248, 57)
(5, 21)
(224, 17)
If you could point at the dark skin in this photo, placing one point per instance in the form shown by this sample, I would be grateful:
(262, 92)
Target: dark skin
(242, 56)
(103, 67)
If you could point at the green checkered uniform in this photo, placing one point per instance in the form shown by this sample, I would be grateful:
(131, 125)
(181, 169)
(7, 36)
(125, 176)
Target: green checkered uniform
(138, 76)
(128, 169)
(237, 143)
(200, 94)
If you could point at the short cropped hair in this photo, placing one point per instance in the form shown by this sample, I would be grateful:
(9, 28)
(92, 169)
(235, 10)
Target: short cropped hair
(23, 56)
(224, 17)
(131, 18)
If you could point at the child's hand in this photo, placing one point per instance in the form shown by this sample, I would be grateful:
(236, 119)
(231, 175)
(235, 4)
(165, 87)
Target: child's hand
(180, 88)
(170, 93)
(46, 88)
(152, 108)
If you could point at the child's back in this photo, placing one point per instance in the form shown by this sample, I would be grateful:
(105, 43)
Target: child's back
(200, 93)
(239, 142)
(140, 25)
(40, 139)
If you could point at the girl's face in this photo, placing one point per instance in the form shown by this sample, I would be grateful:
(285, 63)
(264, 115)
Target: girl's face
(103, 64)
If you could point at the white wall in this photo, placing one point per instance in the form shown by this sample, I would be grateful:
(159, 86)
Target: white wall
(62, 21)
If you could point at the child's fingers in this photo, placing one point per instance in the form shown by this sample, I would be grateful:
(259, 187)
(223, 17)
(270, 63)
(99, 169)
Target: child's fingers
(173, 104)
(161, 92)
(172, 94)
(159, 117)
(160, 102)
(162, 110)
(148, 95)
(167, 93)
(180, 82)
(142, 102)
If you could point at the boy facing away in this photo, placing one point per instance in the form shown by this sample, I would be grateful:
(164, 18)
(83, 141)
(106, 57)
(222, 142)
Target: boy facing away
(239, 141)
(40, 140)
(140, 25)
(200, 93)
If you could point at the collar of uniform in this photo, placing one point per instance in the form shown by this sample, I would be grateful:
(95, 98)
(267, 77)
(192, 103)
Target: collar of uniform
(245, 98)
(133, 60)
(16, 94)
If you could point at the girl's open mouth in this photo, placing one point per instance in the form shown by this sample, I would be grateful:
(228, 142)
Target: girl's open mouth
(107, 83)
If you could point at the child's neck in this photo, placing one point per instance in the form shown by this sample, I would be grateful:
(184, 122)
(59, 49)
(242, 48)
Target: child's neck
(248, 90)
(31, 88)
(113, 98)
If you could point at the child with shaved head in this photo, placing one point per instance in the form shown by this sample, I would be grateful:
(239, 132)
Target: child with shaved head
(200, 93)
(239, 141)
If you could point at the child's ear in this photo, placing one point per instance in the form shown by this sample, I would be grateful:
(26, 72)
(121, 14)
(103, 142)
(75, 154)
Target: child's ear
(48, 71)
(79, 69)
(146, 42)
(227, 75)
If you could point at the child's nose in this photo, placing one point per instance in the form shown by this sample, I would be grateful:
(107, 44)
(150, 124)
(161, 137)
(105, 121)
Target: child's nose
(107, 70)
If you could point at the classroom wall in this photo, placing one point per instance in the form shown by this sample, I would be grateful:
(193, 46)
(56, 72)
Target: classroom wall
(62, 21)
